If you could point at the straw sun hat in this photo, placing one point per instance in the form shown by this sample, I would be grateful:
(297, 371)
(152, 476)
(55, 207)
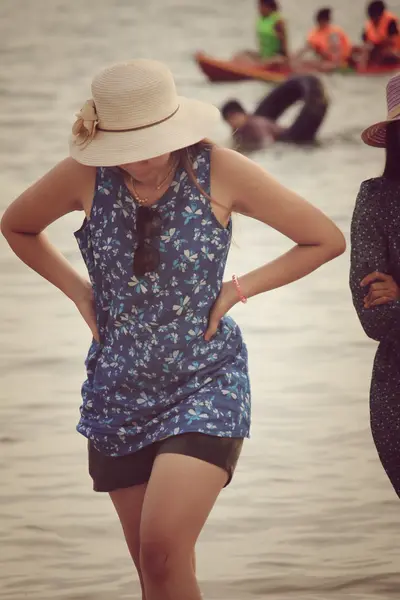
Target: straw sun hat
(135, 114)
(375, 135)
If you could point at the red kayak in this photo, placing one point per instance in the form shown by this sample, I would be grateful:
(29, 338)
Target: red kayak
(225, 70)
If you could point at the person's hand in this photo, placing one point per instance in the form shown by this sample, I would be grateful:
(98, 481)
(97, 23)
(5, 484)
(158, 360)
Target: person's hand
(382, 289)
(227, 298)
(86, 306)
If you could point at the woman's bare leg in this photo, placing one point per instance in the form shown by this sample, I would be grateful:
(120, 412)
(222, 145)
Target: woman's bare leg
(180, 495)
(128, 503)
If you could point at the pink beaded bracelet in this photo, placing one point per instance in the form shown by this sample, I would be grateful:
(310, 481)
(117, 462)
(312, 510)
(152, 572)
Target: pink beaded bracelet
(239, 289)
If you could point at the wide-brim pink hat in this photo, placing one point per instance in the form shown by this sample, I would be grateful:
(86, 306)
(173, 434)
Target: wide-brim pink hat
(375, 135)
(136, 114)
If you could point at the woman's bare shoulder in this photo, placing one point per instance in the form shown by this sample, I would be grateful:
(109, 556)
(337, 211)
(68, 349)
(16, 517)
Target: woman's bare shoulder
(70, 175)
(67, 187)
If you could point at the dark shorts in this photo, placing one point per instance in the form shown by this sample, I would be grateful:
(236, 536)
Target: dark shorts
(110, 473)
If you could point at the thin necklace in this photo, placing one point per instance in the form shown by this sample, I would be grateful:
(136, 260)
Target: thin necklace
(143, 201)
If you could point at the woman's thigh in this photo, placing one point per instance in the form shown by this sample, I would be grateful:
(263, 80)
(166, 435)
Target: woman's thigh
(180, 495)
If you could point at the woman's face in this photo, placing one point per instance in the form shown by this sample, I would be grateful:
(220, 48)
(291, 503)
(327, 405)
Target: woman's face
(146, 170)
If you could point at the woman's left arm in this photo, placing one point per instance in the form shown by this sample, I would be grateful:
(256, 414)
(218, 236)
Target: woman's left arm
(255, 194)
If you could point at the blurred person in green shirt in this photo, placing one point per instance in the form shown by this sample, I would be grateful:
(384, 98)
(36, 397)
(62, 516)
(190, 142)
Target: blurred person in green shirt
(271, 34)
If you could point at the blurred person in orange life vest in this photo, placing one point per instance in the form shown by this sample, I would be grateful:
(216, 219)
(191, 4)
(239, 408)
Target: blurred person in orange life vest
(381, 37)
(328, 42)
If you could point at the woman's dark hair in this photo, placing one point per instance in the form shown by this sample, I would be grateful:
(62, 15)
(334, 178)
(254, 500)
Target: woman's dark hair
(392, 166)
(376, 9)
(187, 158)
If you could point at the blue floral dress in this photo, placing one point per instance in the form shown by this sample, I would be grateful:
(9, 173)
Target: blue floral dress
(153, 375)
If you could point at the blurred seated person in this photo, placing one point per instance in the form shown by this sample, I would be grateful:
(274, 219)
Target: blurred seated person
(328, 42)
(249, 131)
(381, 37)
(271, 34)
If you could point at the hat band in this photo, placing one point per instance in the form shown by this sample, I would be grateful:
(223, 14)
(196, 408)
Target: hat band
(395, 112)
(142, 126)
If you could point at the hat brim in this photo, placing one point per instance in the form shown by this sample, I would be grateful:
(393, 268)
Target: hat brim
(375, 135)
(194, 121)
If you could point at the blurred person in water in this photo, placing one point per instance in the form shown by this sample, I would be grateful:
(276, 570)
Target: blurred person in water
(250, 131)
(260, 129)
(166, 402)
(380, 36)
(375, 282)
(271, 35)
(329, 43)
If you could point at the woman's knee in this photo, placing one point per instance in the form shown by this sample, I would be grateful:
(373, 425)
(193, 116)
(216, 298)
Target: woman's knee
(161, 555)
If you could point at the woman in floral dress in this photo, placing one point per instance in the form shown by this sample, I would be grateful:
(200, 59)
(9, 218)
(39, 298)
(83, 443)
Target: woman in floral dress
(166, 402)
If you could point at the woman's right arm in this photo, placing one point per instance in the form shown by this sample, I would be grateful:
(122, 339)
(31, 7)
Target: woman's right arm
(369, 253)
(69, 186)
